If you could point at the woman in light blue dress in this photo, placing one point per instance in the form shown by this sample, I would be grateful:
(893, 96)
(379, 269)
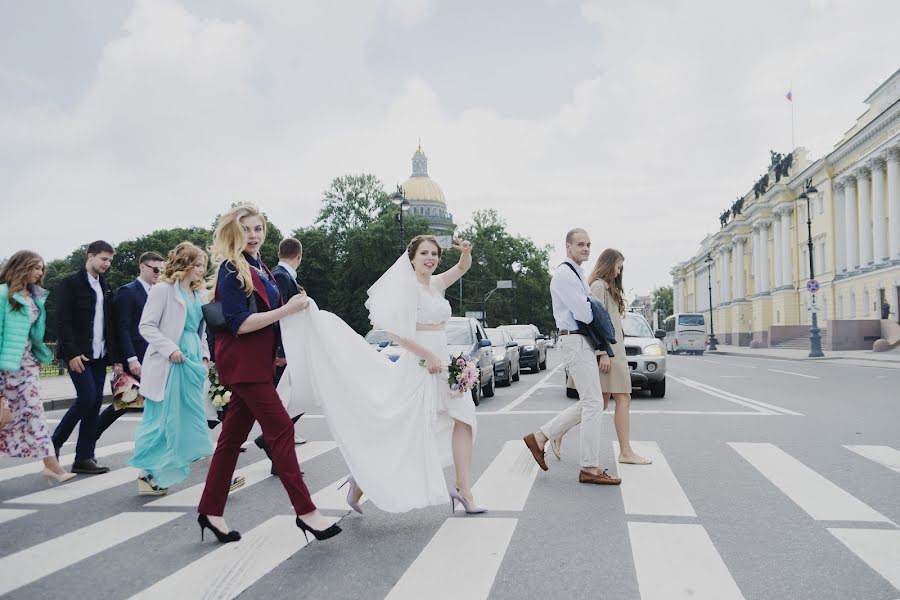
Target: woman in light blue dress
(173, 432)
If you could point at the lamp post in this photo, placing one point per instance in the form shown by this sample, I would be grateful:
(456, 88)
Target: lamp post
(712, 329)
(815, 341)
(482, 262)
(399, 198)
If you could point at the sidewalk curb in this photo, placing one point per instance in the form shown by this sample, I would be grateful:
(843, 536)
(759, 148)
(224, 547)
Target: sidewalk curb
(62, 403)
(874, 361)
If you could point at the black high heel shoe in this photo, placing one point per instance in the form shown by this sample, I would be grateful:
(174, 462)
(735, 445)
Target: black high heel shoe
(320, 535)
(224, 538)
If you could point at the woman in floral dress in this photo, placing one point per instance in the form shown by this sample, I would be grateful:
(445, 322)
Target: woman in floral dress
(22, 347)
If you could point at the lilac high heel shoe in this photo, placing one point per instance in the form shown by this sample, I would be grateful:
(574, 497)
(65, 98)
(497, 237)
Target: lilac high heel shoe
(471, 509)
(351, 493)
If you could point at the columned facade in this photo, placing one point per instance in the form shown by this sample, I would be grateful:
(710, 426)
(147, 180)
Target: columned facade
(761, 256)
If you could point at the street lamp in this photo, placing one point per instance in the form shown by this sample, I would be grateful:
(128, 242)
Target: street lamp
(712, 329)
(482, 262)
(399, 198)
(815, 341)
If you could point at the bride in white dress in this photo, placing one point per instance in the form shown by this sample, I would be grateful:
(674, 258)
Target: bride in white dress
(396, 424)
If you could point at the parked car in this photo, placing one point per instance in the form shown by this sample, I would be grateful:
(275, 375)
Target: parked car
(506, 356)
(378, 339)
(646, 355)
(467, 336)
(532, 346)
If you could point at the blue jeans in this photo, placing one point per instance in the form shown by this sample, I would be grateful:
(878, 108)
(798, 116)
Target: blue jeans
(89, 391)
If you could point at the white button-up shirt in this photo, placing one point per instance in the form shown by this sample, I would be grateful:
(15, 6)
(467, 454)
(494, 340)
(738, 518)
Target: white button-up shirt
(99, 347)
(569, 294)
(291, 270)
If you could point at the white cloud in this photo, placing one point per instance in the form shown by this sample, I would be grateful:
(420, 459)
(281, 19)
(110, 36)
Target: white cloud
(186, 114)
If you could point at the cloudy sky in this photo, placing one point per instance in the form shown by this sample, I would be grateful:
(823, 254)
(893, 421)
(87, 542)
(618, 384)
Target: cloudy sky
(640, 121)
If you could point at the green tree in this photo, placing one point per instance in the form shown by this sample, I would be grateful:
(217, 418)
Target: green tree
(662, 301)
(504, 257)
(351, 202)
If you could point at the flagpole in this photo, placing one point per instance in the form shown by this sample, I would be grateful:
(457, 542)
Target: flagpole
(791, 88)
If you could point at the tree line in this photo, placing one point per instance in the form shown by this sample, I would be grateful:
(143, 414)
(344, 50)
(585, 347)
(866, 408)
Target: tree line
(355, 239)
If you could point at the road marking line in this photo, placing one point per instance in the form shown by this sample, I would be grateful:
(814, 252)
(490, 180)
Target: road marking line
(231, 568)
(679, 561)
(332, 498)
(507, 481)
(741, 366)
(652, 489)
(878, 548)
(883, 455)
(735, 376)
(8, 514)
(795, 374)
(80, 487)
(727, 413)
(817, 496)
(531, 391)
(29, 565)
(253, 473)
(731, 397)
(460, 561)
(34, 467)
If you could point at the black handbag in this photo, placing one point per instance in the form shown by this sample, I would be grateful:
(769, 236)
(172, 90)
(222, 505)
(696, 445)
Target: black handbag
(214, 315)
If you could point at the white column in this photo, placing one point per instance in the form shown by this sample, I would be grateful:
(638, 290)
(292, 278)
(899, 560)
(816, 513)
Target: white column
(764, 256)
(778, 276)
(851, 231)
(726, 274)
(787, 257)
(740, 292)
(837, 237)
(754, 257)
(864, 202)
(879, 223)
(893, 186)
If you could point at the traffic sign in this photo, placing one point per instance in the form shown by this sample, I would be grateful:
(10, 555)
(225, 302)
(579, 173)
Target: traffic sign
(812, 286)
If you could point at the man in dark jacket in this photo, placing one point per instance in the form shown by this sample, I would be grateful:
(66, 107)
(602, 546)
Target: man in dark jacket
(290, 255)
(87, 343)
(129, 304)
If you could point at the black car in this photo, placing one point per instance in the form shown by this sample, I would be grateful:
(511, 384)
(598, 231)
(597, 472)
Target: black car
(532, 346)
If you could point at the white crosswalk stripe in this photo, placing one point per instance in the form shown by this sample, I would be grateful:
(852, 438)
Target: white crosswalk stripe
(34, 467)
(507, 481)
(9, 514)
(38, 561)
(883, 455)
(652, 489)
(819, 497)
(460, 561)
(878, 548)
(81, 486)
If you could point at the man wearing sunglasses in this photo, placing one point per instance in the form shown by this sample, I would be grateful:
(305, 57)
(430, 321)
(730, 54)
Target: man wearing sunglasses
(129, 304)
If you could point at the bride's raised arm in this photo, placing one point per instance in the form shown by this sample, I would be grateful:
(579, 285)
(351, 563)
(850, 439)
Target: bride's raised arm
(452, 275)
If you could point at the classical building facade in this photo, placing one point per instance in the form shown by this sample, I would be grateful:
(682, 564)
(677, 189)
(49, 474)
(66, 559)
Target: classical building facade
(425, 196)
(758, 264)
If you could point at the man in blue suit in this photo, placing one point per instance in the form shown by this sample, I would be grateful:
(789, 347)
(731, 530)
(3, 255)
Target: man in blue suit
(129, 304)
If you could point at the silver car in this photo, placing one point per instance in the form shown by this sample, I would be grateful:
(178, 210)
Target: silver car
(506, 356)
(646, 356)
(467, 336)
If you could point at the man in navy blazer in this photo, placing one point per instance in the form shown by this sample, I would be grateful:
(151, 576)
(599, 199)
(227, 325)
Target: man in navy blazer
(290, 255)
(129, 304)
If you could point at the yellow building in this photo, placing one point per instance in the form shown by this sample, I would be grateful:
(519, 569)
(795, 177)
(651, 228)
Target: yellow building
(758, 264)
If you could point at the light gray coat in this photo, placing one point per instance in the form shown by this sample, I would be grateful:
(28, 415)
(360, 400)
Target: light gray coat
(162, 324)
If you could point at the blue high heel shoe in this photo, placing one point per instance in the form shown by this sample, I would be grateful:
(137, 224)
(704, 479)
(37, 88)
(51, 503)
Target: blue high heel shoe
(351, 494)
(471, 509)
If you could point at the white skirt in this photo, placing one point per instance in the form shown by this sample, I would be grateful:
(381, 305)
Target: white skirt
(392, 421)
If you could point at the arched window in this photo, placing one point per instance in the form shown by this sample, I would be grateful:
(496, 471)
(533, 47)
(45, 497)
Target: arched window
(840, 307)
(852, 314)
(865, 306)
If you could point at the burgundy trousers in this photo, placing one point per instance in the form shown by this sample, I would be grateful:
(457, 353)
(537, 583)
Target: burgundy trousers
(251, 402)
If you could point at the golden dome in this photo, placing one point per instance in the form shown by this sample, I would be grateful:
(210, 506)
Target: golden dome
(423, 188)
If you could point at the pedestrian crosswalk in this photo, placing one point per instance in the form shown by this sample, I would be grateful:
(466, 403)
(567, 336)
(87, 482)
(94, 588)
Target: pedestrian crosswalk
(671, 536)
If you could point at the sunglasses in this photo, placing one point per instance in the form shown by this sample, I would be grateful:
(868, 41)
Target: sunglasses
(156, 270)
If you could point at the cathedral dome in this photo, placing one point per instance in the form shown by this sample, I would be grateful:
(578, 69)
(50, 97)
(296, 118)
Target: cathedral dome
(420, 187)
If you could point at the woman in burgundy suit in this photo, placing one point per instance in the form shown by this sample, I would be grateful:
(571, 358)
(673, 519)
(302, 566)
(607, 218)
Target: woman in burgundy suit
(245, 361)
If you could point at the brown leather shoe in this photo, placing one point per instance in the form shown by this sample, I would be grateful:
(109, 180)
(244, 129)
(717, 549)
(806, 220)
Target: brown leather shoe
(601, 479)
(536, 450)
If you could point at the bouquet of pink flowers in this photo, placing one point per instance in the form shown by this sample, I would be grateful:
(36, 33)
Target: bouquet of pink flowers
(462, 374)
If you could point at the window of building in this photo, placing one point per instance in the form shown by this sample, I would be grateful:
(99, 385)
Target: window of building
(852, 314)
(865, 305)
(840, 307)
(821, 201)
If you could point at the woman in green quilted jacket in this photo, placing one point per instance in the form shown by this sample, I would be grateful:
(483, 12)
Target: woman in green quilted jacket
(22, 347)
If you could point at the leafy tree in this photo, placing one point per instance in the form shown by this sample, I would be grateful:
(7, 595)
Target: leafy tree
(663, 302)
(351, 202)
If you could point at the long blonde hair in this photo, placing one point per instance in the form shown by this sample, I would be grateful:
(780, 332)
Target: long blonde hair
(181, 260)
(229, 242)
(605, 269)
(15, 271)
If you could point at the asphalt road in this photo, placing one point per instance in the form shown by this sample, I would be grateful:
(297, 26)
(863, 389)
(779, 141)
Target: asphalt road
(772, 479)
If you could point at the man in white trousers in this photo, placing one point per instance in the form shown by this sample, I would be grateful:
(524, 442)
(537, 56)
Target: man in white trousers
(569, 292)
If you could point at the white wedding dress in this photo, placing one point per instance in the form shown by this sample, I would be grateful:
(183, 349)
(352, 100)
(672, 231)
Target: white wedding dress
(392, 421)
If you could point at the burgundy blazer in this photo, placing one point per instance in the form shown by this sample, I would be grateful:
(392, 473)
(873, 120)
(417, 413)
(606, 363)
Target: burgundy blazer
(249, 357)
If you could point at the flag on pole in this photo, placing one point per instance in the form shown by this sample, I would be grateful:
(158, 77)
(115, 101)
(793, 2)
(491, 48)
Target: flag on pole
(789, 96)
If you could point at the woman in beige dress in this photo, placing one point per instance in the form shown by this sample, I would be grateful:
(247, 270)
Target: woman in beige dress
(615, 378)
